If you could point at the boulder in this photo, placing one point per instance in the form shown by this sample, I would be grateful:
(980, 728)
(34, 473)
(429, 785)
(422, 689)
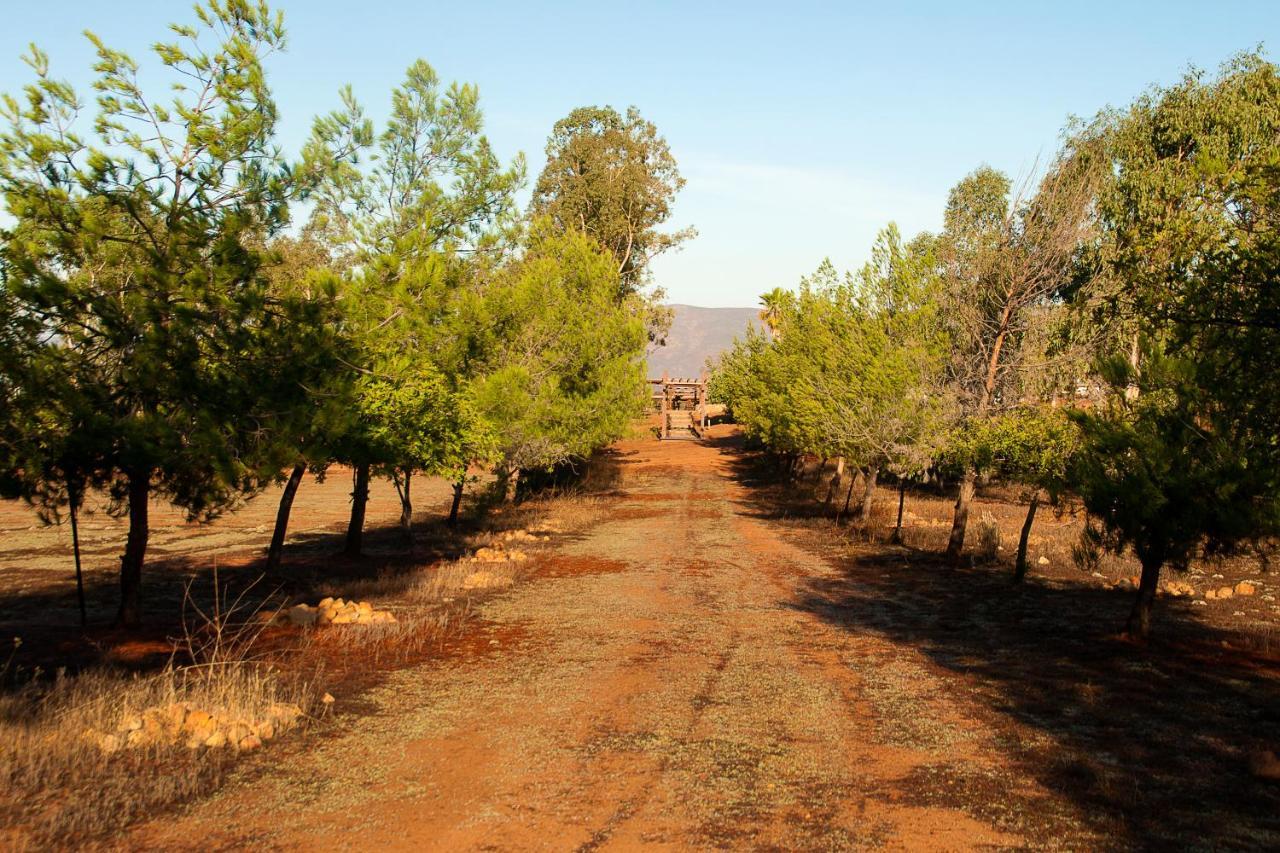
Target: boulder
(199, 723)
(1245, 588)
(1226, 592)
(1043, 561)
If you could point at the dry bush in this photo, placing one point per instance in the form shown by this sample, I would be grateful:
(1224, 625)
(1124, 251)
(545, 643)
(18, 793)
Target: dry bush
(876, 526)
(987, 541)
(571, 510)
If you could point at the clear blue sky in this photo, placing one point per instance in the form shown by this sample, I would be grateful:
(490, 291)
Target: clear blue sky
(802, 128)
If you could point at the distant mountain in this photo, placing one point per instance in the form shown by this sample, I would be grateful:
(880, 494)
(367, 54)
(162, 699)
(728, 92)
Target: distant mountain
(698, 334)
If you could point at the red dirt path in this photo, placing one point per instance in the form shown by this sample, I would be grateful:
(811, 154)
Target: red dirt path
(674, 698)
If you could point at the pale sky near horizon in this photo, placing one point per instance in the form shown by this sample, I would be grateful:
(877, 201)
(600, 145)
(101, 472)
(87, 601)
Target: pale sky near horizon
(802, 128)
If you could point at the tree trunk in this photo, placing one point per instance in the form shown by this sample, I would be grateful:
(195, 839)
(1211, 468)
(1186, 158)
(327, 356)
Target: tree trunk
(817, 478)
(406, 504)
(902, 499)
(359, 500)
(1140, 617)
(955, 546)
(1020, 567)
(457, 501)
(282, 517)
(869, 491)
(135, 549)
(512, 484)
(73, 496)
(834, 485)
(848, 496)
(1131, 391)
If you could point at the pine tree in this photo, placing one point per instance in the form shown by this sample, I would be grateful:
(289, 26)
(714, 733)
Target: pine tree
(407, 211)
(148, 334)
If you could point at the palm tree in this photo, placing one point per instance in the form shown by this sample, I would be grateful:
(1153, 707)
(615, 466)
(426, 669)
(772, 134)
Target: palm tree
(773, 304)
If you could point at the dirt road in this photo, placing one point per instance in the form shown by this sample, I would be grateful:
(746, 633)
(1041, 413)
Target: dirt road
(656, 683)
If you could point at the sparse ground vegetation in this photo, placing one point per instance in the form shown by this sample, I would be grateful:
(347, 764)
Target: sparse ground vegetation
(370, 544)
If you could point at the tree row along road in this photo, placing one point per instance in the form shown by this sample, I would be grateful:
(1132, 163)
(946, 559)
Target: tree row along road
(656, 683)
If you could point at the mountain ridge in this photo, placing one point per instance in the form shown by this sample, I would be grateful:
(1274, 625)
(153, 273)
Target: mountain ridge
(698, 333)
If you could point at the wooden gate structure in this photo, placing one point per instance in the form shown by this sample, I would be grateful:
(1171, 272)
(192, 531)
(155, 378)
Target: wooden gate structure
(683, 405)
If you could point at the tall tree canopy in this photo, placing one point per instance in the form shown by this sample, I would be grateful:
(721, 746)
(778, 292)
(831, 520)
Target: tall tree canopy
(612, 177)
(1005, 258)
(562, 373)
(854, 365)
(409, 208)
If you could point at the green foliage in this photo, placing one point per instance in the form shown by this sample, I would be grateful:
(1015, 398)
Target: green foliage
(419, 424)
(409, 213)
(1169, 470)
(137, 318)
(853, 367)
(429, 181)
(562, 375)
(1185, 453)
(1191, 226)
(1032, 445)
(612, 177)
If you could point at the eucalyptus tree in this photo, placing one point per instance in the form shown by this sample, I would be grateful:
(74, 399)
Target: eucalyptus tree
(1005, 257)
(612, 177)
(157, 345)
(407, 208)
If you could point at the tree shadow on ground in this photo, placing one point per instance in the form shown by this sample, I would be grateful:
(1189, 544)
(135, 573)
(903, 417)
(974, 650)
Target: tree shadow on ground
(177, 588)
(1149, 746)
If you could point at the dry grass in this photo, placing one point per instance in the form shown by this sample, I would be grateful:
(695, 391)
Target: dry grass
(60, 786)
(433, 603)
(66, 779)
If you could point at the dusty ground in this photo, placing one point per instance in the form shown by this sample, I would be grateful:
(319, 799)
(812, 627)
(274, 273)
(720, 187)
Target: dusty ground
(701, 669)
(37, 573)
